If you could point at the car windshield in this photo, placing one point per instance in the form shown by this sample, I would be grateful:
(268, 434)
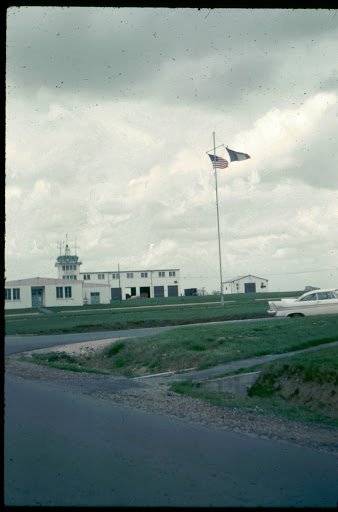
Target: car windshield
(312, 296)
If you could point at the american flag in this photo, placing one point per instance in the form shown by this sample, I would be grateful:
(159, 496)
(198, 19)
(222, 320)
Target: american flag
(218, 161)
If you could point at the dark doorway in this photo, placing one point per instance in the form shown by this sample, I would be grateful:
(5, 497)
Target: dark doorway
(250, 287)
(172, 291)
(158, 291)
(37, 297)
(116, 294)
(145, 292)
(132, 292)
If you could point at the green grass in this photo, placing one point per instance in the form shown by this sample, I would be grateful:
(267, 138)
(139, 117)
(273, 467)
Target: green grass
(312, 388)
(209, 345)
(105, 317)
(62, 361)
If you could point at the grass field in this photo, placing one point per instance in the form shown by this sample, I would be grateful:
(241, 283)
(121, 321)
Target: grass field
(139, 313)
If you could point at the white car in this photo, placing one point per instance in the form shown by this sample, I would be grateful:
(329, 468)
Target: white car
(316, 302)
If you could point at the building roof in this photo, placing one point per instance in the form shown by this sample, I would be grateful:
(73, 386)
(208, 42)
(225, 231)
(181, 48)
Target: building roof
(236, 278)
(41, 281)
(125, 271)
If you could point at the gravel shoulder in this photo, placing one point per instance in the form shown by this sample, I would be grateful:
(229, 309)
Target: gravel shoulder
(153, 395)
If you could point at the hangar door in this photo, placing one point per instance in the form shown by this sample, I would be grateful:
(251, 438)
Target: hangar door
(116, 293)
(250, 287)
(158, 291)
(172, 291)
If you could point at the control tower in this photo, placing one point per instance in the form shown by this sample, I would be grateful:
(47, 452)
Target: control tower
(68, 265)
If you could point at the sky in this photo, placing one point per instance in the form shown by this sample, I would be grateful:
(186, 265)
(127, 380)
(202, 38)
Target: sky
(110, 115)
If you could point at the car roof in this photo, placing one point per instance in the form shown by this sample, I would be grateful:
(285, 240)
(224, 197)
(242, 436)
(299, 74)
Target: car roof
(320, 290)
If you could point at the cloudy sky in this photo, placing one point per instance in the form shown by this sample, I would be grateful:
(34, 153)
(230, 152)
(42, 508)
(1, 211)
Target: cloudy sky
(110, 113)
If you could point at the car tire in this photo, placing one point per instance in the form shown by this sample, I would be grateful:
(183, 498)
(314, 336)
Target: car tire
(296, 315)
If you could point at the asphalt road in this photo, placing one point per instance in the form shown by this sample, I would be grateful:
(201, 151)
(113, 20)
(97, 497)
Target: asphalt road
(67, 448)
(64, 447)
(17, 344)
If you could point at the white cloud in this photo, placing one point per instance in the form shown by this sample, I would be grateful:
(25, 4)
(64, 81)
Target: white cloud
(117, 157)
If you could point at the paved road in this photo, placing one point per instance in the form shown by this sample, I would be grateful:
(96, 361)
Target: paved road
(17, 344)
(63, 447)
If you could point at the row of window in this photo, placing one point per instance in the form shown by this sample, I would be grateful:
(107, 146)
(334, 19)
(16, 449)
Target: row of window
(63, 292)
(68, 267)
(130, 275)
(68, 277)
(9, 292)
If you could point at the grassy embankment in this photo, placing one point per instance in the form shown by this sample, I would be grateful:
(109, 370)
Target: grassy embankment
(302, 387)
(139, 313)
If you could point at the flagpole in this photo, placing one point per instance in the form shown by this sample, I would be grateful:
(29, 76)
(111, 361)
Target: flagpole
(219, 240)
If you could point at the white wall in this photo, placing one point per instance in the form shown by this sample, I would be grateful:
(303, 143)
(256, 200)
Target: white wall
(75, 300)
(25, 298)
(125, 283)
(231, 287)
(49, 293)
(103, 290)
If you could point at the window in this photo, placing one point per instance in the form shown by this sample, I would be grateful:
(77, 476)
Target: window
(144, 274)
(63, 267)
(8, 294)
(115, 275)
(86, 277)
(16, 293)
(100, 276)
(59, 292)
(161, 274)
(130, 275)
(172, 273)
(312, 296)
(322, 295)
(68, 292)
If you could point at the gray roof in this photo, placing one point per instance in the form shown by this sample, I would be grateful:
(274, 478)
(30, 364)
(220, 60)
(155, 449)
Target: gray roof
(236, 278)
(41, 281)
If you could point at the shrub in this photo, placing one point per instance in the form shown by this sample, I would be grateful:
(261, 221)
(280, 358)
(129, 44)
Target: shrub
(114, 349)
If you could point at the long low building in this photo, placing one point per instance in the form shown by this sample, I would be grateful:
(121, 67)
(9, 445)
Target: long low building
(75, 288)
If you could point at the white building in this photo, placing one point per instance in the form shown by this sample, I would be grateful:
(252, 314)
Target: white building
(245, 284)
(42, 292)
(121, 284)
(75, 288)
